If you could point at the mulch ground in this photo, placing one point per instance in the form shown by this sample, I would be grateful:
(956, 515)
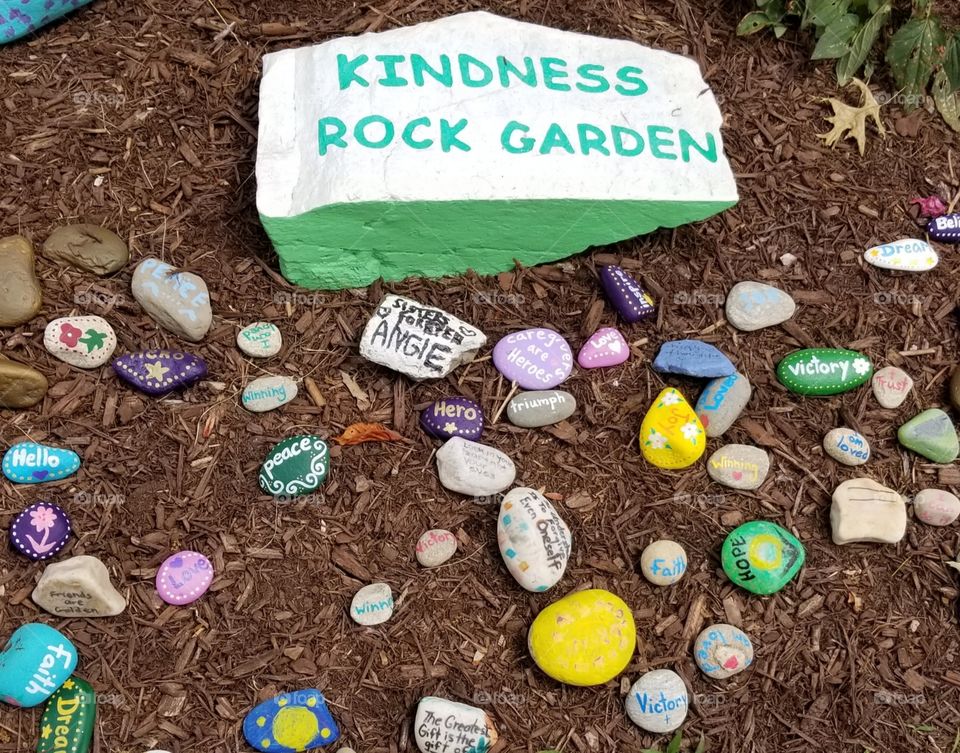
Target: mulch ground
(142, 116)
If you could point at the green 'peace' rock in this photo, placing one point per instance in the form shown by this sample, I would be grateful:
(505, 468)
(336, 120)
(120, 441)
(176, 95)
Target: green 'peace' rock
(297, 465)
(824, 371)
(67, 721)
(761, 556)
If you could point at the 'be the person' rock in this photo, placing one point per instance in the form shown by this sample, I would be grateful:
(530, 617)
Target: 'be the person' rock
(474, 469)
(534, 541)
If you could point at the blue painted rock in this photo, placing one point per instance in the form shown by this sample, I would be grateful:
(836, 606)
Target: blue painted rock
(184, 577)
(40, 531)
(722, 651)
(83, 341)
(268, 393)
(721, 403)
(905, 255)
(453, 417)
(761, 556)
(67, 722)
(606, 347)
(932, 435)
(157, 372)
(36, 661)
(297, 465)
(32, 463)
(25, 16)
(824, 371)
(536, 359)
(291, 722)
(692, 358)
(945, 228)
(626, 295)
(178, 301)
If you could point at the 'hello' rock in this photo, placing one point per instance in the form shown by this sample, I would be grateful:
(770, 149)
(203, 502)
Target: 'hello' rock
(291, 722)
(177, 301)
(605, 348)
(671, 435)
(89, 247)
(722, 650)
(721, 403)
(905, 255)
(891, 386)
(78, 587)
(34, 664)
(823, 371)
(157, 372)
(541, 408)
(20, 293)
(268, 393)
(945, 228)
(863, 510)
(435, 547)
(626, 295)
(739, 466)
(692, 358)
(932, 435)
(534, 541)
(663, 562)
(474, 469)
(184, 577)
(297, 465)
(260, 340)
(443, 726)
(372, 605)
(83, 341)
(936, 507)
(752, 305)
(536, 359)
(40, 531)
(658, 701)
(20, 386)
(453, 417)
(68, 720)
(847, 446)
(32, 463)
(761, 556)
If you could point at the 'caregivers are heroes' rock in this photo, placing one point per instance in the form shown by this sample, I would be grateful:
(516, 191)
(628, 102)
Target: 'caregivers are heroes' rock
(474, 141)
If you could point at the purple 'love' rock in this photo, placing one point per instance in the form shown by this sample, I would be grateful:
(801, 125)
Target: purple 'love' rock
(40, 531)
(625, 294)
(184, 577)
(536, 359)
(156, 372)
(453, 417)
(945, 228)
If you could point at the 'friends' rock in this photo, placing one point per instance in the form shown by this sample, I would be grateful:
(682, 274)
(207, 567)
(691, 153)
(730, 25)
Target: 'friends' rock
(761, 556)
(32, 463)
(721, 403)
(536, 359)
(157, 372)
(291, 722)
(89, 247)
(658, 701)
(268, 393)
(739, 466)
(534, 541)
(932, 435)
(905, 255)
(34, 664)
(443, 726)
(671, 435)
(453, 417)
(83, 341)
(847, 446)
(474, 469)
(823, 371)
(372, 605)
(936, 507)
(184, 577)
(177, 301)
(863, 510)
(945, 228)
(297, 465)
(541, 408)
(663, 562)
(20, 293)
(20, 386)
(626, 295)
(693, 358)
(40, 531)
(435, 547)
(67, 722)
(605, 348)
(752, 305)
(891, 386)
(722, 650)
(78, 587)
(260, 340)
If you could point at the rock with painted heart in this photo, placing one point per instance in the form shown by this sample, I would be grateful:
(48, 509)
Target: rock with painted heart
(605, 348)
(753, 305)
(435, 547)
(722, 651)
(453, 417)
(268, 393)
(586, 638)
(83, 341)
(936, 507)
(626, 295)
(863, 510)
(32, 463)
(891, 385)
(447, 726)
(474, 469)
(931, 434)
(671, 435)
(945, 229)
(372, 605)
(35, 662)
(20, 385)
(177, 301)
(658, 701)
(693, 358)
(40, 531)
(89, 247)
(721, 403)
(541, 408)
(68, 720)
(20, 292)
(905, 255)
(536, 359)
(260, 340)
(184, 577)
(739, 466)
(761, 556)
(663, 562)
(297, 465)
(847, 446)
(534, 541)
(824, 371)
(291, 722)
(157, 372)
(78, 587)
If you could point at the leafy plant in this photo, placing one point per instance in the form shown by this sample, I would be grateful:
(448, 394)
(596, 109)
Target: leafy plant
(674, 745)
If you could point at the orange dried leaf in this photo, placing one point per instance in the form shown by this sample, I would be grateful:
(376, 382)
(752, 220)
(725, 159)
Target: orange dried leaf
(358, 433)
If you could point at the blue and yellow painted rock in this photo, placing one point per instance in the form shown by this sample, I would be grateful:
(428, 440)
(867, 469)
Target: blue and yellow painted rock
(67, 723)
(291, 722)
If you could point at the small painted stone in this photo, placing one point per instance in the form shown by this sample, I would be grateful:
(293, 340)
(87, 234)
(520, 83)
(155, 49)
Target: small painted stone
(761, 556)
(663, 562)
(83, 341)
(658, 701)
(626, 295)
(863, 510)
(184, 577)
(435, 547)
(905, 255)
(447, 726)
(20, 293)
(847, 446)
(89, 247)
(752, 305)
(78, 587)
(823, 371)
(671, 435)
(541, 408)
(534, 541)
(586, 638)
(936, 507)
(177, 301)
(453, 417)
(721, 403)
(891, 386)
(722, 651)
(68, 720)
(954, 387)
(34, 664)
(536, 359)
(945, 228)
(260, 340)
(605, 348)
(932, 435)
(268, 393)
(474, 469)
(291, 722)
(372, 604)
(692, 358)
(20, 386)
(739, 466)
(297, 465)
(32, 463)
(40, 531)
(157, 372)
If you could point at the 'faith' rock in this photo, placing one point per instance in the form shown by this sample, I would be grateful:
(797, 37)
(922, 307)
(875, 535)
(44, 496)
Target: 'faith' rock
(534, 541)
(453, 417)
(20, 294)
(372, 604)
(78, 587)
(739, 466)
(863, 510)
(260, 340)
(297, 465)
(663, 562)
(184, 577)
(761, 556)
(20, 386)
(40, 531)
(268, 393)
(83, 341)
(177, 301)
(847, 446)
(89, 247)
(67, 722)
(823, 371)
(906, 255)
(721, 403)
(605, 348)
(541, 408)
(626, 295)
(891, 386)
(32, 463)
(29, 15)
(34, 664)
(534, 358)
(945, 228)
(722, 650)
(936, 507)
(157, 372)
(671, 435)
(692, 358)
(658, 701)
(752, 305)
(435, 547)
(474, 469)
(443, 726)
(932, 435)
(291, 722)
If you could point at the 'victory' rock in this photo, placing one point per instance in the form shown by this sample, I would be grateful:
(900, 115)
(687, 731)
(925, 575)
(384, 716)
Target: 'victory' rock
(891, 386)
(761, 556)
(847, 446)
(945, 228)
(297, 465)
(906, 255)
(626, 295)
(606, 347)
(291, 722)
(739, 466)
(541, 408)
(20, 294)
(671, 435)
(443, 726)
(692, 358)
(823, 371)
(177, 301)
(34, 663)
(453, 417)
(722, 651)
(536, 359)
(534, 541)
(474, 469)
(863, 510)
(68, 720)
(78, 587)
(932, 435)
(721, 403)
(268, 393)
(83, 341)
(752, 305)
(435, 547)
(157, 372)
(40, 531)
(89, 247)
(32, 463)
(658, 701)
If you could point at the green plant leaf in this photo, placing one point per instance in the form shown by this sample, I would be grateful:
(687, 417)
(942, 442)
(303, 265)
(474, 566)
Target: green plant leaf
(675, 743)
(947, 100)
(861, 44)
(822, 13)
(834, 42)
(913, 54)
(951, 61)
(752, 23)
(702, 745)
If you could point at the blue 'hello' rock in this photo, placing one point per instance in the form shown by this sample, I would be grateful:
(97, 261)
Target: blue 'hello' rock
(32, 463)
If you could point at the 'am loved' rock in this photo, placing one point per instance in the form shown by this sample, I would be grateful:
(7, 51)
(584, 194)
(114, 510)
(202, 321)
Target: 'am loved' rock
(936, 507)
(372, 605)
(534, 541)
(297, 465)
(824, 371)
(721, 403)
(260, 340)
(453, 417)
(536, 359)
(474, 469)
(658, 701)
(626, 295)
(88, 247)
(761, 556)
(891, 385)
(157, 372)
(32, 463)
(752, 305)
(435, 547)
(722, 651)
(443, 726)
(20, 293)
(83, 341)
(606, 347)
(541, 408)
(693, 358)
(863, 510)
(78, 587)
(671, 435)
(177, 301)
(739, 466)
(663, 562)
(268, 393)
(20, 385)
(945, 228)
(931, 434)
(905, 255)
(68, 720)
(847, 446)
(34, 664)
(40, 531)
(291, 722)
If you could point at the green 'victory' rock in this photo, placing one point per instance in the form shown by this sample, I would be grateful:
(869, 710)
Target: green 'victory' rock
(932, 435)
(761, 557)
(67, 722)
(824, 371)
(295, 466)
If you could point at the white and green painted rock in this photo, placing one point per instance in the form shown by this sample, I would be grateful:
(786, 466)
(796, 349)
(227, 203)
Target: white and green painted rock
(297, 465)
(474, 141)
(824, 371)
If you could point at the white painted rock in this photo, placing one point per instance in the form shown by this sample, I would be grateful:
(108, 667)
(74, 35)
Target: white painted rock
(752, 305)
(847, 446)
(435, 547)
(541, 408)
(84, 341)
(863, 510)
(658, 701)
(936, 507)
(474, 469)
(739, 466)
(905, 255)
(260, 340)
(78, 587)
(534, 541)
(722, 650)
(443, 726)
(372, 604)
(891, 386)
(721, 403)
(177, 301)
(269, 392)
(663, 562)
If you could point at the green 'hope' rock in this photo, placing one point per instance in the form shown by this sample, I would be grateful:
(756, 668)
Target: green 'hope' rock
(932, 435)
(824, 371)
(761, 557)
(295, 466)
(67, 722)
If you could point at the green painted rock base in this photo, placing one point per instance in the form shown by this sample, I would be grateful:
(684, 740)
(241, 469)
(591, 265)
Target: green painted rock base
(824, 371)
(67, 722)
(761, 557)
(932, 435)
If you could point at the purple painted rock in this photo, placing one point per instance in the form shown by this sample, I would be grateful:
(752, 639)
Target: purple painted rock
(945, 228)
(40, 531)
(605, 348)
(156, 372)
(536, 359)
(184, 577)
(453, 417)
(625, 294)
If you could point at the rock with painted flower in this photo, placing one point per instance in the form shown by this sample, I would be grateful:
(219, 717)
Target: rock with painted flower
(671, 435)
(722, 650)
(761, 557)
(35, 662)
(40, 531)
(824, 371)
(68, 720)
(534, 541)
(904, 255)
(441, 725)
(658, 701)
(931, 434)
(157, 372)
(78, 587)
(176, 300)
(33, 463)
(83, 341)
(291, 722)
(721, 403)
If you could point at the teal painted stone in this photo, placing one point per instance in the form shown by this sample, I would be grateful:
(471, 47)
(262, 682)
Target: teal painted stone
(22, 17)
(32, 463)
(36, 661)
(761, 556)
(824, 371)
(67, 722)
(295, 466)
(932, 435)
(291, 722)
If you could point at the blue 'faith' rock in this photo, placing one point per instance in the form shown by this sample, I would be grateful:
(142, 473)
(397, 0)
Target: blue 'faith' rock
(692, 358)
(157, 372)
(40, 531)
(36, 661)
(32, 463)
(453, 417)
(626, 295)
(945, 228)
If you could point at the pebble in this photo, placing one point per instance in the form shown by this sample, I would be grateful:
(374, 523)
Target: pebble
(184, 577)
(739, 466)
(954, 387)
(32, 463)
(260, 340)
(443, 726)
(761, 556)
(586, 638)
(20, 293)
(453, 417)
(541, 408)
(78, 587)
(863, 510)
(34, 664)
(297, 465)
(752, 305)
(20, 386)
(722, 651)
(945, 228)
(891, 386)
(536, 359)
(671, 435)
(268, 393)
(936, 507)
(177, 301)
(68, 720)
(474, 469)
(291, 722)
(658, 701)
(83, 341)
(663, 562)
(932, 435)
(847, 446)
(534, 541)
(89, 247)
(824, 371)
(40, 531)
(692, 358)
(157, 372)
(372, 604)
(626, 295)
(605, 348)
(721, 403)
(904, 255)
(435, 547)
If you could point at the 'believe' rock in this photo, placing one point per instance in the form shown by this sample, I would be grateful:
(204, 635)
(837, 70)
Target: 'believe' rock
(443, 726)
(78, 587)
(823, 371)
(863, 510)
(534, 358)
(541, 408)
(291, 722)
(534, 541)
(626, 295)
(34, 663)
(671, 435)
(32, 463)
(761, 557)
(721, 403)
(932, 435)
(945, 228)
(89, 247)
(177, 301)
(68, 720)
(40, 531)
(83, 341)
(692, 358)
(474, 469)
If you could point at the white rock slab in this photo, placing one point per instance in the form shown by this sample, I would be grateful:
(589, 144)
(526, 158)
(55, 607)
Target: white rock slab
(534, 541)
(372, 605)
(443, 726)
(268, 393)
(177, 301)
(658, 701)
(78, 587)
(83, 341)
(474, 469)
(863, 510)
(260, 340)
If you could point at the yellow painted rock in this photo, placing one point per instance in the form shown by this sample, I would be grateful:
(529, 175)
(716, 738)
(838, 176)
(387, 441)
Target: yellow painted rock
(20, 295)
(586, 638)
(671, 435)
(20, 386)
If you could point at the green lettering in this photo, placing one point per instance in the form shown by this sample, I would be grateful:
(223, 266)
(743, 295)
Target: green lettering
(592, 139)
(526, 143)
(709, 152)
(347, 71)
(486, 75)
(657, 142)
(550, 74)
(359, 131)
(408, 138)
(622, 149)
(420, 67)
(555, 138)
(630, 74)
(331, 138)
(448, 135)
(506, 69)
(592, 72)
(391, 77)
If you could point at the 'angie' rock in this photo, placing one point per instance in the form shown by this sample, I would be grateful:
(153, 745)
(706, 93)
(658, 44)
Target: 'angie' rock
(722, 650)
(823, 371)
(536, 359)
(32, 463)
(761, 556)
(671, 435)
(443, 726)
(891, 386)
(752, 305)
(721, 403)
(541, 408)
(626, 295)
(297, 465)
(663, 562)
(372, 604)
(68, 720)
(936, 507)
(606, 347)
(453, 417)
(863, 510)
(40, 531)
(435, 547)
(932, 435)
(905, 255)
(268, 393)
(34, 664)
(78, 587)
(83, 341)
(739, 466)
(291, 722)
(260, 340)
(658, 701)
(692, 358)
(177, 301)
(184, 577)
(157, 372)
(20, 293)
(945, 228)
(474, 469)
(847, 446)
(20, 386)
(89, 247)
(534, 541)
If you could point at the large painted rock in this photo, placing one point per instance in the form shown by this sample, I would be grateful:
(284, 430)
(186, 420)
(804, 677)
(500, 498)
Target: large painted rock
(945, 228)
(761, 557)
(297, 465)
(78, 587)
(658, 701)
(721, 403)
(88, 247)
(442, 726)
(605, 348)
(722, 651)
(626, 295)
(541, 408)
(671, 435)
(692, 358)
(475, 142)
(931, 434)
(20, 386)
(453, 417)
(536, 359)
(177, 301)
(26, 16)
(474, 469)
(32, 463)
(905, 255)
(863, 510)
(40, 531)
(824, 371)
(268, 393)
(157, 372)
(291, 722)
(534, 541)
(67, 722)
(20, 293)
(83, 341)
(34, 663)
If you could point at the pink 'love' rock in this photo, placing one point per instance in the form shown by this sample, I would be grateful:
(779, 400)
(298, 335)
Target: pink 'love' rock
(605, 348)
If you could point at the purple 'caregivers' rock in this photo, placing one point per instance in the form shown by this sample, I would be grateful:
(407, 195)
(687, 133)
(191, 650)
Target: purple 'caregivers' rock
(40, 531)
(536, 359)
(945, 229)
(156, 372)
(631, 301)
(184, 577)
(453, 417)
(692, 358)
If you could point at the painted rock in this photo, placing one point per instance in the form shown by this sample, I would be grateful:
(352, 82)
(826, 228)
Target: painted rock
(905, 255)
(435, 547)
(268, 393)
(83, 341)
(260, 340)
(291, 722)
(721, 403)
(420, 341)
(626, 295)
(541, 408)
(761, 556)
(453, 417)
(32, 463)
(847, 446)
(297, 465)
(474, 469)
(20, 386)
(671, 435)
(692, 358)
(40, 531)
(534, 541)
(863, 510)
(891, 386)
(78, 587)
(177, 301)
(739, 466)
(89, 247)
(585, 638)
(157, 372)
(184, 577)
(28, 16)
(936, 507)
(20, 294)
(954, 387)
(722, 651)
(932, 435)
(34, 663)
(441, 725)
(663, 562)
(752, 305)
(67, 722)
(945, 228)
(823, 371)
(372, 604)
(658, 701)
(536, 359)
(606, 347)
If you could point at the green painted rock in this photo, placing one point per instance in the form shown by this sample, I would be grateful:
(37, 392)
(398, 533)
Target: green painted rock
(932, 435)
(474, 141)
(295, 466)
(67, 722)
(824, 371)
(761, 557)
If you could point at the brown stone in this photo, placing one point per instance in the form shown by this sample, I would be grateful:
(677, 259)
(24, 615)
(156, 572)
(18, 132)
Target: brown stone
(20, 294)
(89, 247)
(20, 386)
(955, 388)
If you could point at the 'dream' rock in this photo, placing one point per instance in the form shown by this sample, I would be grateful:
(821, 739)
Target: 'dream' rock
(67, 722)
(291, 722)
(721, 403)
(441, 725)
(34, 663)
(945, 228)
(176, 300)
(626, 295)
(27, 16)
(931, 434)
(863, 510)
(157, 372)
(83, 341)
(32, 463)
(78, 587)
(671, 435)
(905, 255)
(761, 556)
(534, 541)
(476, 142)
(824, 371)
(40, 531)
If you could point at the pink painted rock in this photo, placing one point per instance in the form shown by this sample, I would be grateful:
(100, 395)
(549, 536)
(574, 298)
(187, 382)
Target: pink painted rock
(605, 348)
(184, 577)
(891, 386)
(936, 507)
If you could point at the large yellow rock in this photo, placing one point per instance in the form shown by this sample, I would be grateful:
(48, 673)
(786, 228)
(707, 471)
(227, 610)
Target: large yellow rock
(671, 435)
(585, 638)
(20, 295)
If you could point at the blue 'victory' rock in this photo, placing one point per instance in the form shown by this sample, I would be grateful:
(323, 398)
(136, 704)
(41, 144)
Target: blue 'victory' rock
(453, 417)
(692, 358)
(36, 661)
(291, 722)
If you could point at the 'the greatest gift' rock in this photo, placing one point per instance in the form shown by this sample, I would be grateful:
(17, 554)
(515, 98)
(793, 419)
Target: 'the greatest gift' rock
(534, 541)
(40, 531)
(721, 403)
(83, 341)
(671, 435)
(536, 359)
(68, 720)
(34, 663)
(297, 465)
(761, 556)
(453, 417)
(442, 726)
(32, 463)
(78, 587)
(291, 722)
(157, 372)
(692, 358)
(931, 434)
(474, 469)
(823, 371)
(177, 301)
(863, 510)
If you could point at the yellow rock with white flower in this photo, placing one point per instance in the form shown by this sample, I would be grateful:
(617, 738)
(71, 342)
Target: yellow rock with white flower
(671, 435)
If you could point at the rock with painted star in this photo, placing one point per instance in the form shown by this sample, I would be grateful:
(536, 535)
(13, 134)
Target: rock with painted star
(824, 371)
(40, 531)
(291, 722)
(945, 228)
(605, 348)
(722, 651)
(453, 417)
(626, 295)
(658, 701)
(83, 341)
(761, 557)
(177, 301)
(905, 255)
(35, 662)
(534, 541)
(184, 577)
(78, 587)
(721, 403)
(536, 359)
(693, 358)
(33, 463)
(891, 385)
(671, 435)
(157, 372)
(442, 725)
(68, 720)
(931, 434)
